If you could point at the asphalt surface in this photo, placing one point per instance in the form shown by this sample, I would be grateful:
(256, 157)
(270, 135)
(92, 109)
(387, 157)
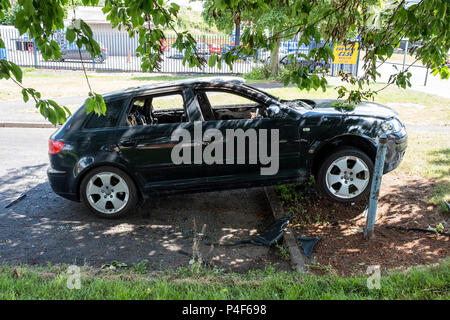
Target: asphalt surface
(44, 227)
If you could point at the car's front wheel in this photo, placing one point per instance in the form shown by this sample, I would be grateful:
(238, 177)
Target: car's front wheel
(108, 192)
(346, 175)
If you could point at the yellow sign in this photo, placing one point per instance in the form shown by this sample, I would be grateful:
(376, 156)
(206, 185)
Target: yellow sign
(346, 54)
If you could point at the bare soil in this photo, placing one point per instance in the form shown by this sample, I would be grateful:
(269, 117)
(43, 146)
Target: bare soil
(343, 249)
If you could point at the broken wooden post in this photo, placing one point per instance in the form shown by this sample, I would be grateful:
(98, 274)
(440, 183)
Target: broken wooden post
(375, 187)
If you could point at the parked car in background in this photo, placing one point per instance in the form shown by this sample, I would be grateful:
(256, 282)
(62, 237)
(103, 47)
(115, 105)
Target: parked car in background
(226, 48)
(214, 48)
(69, 51)
(175, 53)
(313, 65)
(203, 49)
(113, 161)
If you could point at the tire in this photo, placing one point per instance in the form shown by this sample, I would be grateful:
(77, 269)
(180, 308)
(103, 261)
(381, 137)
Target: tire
(346, 175)
(97, 192)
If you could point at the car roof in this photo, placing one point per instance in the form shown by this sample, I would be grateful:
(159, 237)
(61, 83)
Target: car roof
(214, 81)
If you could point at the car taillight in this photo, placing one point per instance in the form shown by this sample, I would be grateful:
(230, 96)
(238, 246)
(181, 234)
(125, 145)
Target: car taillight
(54, 146)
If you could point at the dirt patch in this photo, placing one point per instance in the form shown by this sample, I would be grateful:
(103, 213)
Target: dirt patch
(342, 248)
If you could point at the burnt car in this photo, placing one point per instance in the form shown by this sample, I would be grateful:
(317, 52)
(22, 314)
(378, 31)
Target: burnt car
(112, 162)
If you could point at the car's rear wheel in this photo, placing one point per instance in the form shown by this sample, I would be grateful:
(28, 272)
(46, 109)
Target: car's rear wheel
(108, 192)
(346, 175)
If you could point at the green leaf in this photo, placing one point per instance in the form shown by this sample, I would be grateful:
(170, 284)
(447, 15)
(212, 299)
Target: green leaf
(89, 105)
(100, 104)
(16, 71)
(67, 111)
(389, 50)
(212, 60)
(86, 29)
(70, 35)
(25, 95)
(52, 117)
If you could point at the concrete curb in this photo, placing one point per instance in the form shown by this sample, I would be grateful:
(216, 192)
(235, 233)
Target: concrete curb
(297, 257)
(27, 125)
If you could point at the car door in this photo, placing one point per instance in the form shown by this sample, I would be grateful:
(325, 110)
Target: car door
(148, 147)
(271, 144)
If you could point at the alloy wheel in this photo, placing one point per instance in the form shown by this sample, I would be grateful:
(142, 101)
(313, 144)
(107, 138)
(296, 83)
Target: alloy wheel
(107, 192)
(347, 177)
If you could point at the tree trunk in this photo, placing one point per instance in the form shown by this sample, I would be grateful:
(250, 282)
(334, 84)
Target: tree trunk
(237, 35)
(274, 59)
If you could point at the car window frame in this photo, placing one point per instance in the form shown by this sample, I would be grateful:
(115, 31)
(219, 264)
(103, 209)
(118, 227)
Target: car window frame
(125, 100)
(230, 91)
(123, 123)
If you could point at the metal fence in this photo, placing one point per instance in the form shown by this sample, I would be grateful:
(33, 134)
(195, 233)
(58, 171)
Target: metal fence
(119, 54)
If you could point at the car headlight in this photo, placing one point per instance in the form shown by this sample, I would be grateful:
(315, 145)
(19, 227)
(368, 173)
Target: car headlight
(390, 126)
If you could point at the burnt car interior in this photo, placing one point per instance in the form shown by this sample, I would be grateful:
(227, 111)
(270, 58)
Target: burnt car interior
(214, 109)
(214, 105)
(157, 109)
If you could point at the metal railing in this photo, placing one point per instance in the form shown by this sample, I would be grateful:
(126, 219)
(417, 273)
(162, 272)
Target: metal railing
(119, 54)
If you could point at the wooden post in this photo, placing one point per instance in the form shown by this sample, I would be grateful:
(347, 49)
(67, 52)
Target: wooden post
(375, 188)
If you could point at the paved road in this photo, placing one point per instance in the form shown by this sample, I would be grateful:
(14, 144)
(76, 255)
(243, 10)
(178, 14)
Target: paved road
(434, 85)
(45, 227)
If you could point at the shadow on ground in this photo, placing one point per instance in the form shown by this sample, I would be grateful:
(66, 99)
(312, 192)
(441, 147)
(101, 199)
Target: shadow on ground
(44, 227)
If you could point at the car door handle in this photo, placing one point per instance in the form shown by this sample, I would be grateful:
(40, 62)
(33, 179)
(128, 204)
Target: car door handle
(127, 143)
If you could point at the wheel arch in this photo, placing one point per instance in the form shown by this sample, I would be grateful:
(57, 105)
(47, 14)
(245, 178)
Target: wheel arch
(88, 169)
(365, 144)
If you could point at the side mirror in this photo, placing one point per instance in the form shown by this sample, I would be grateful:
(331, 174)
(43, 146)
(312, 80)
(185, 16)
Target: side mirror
(273, 111)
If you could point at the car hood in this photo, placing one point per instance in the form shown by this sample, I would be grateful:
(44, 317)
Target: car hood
(364, 108)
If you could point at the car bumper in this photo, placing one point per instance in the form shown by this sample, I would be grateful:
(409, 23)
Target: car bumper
(61, 182)
(396, 148)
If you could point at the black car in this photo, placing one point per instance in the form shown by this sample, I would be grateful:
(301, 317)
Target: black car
(112, 162)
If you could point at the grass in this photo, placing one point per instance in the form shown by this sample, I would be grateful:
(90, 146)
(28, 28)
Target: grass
(428, 155)
(26, 282)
